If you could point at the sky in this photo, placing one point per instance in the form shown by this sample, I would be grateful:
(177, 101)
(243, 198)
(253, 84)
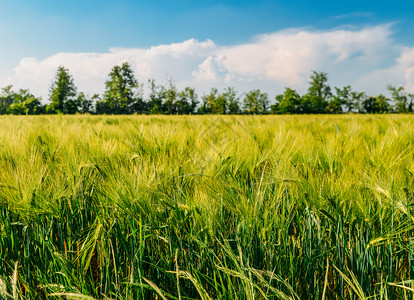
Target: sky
(244, 44)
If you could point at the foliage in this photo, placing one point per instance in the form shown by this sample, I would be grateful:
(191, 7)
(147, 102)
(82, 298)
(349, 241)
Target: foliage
(318, 94)
(170, 97)
(288, 103)
(357, 99)
(124, 95)
(187, 101)
(62, 93)
(85, 104)
(256, 102)
(24, 103)
(342, 99)
(223, 103)
(403, 101)
(233, 105)
(379, 104)
(6, 98)
(121, 91)
(155, 98)
(216, 102)
(318, 86)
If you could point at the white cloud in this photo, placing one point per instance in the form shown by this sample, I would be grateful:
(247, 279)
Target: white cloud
(401, 72)
(409, 77)
(269, 62)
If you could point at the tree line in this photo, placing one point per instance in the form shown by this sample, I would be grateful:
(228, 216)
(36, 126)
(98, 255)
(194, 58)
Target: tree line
(124, 95)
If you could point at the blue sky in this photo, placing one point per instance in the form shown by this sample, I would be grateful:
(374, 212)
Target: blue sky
(44, 33)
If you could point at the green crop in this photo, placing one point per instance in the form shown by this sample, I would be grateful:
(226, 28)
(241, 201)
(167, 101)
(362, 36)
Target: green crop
(207, 207)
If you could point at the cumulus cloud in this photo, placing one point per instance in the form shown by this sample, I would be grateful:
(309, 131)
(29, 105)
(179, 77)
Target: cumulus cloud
(270, 62)
(90, 70)
(288, 56)
(400, 72)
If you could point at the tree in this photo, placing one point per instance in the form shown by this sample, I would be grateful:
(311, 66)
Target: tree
(211, 103)
(217, 102)
(170, 97)
(155, 98)
(319, 92)
(33, 106)
(256, 102)
(72, 106)
(287, 103)
(339, 100)
(410, 102)
(187, 101)
(25, 104)
(7, 97)
(319, 85)
(346, 98)
(121, 89)
(205, 106)
(103, 107)
(382, 104)
(139, 106)
(232, 101)
(403, 101)
(62, 93)
(375, 105)
(85, 104)
(357, 99)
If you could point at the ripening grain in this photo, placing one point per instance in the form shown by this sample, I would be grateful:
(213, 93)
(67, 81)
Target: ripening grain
(210, 207)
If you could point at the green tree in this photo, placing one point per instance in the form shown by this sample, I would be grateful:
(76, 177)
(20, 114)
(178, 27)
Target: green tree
(33, 106)
(410, 102)
(211, 103)
(383, 104)
(85, 103)
(319, 85)
(170, 98)
(319, 92)
(224, 103)
(139, 106)
(287, 103)
(62, 93)
(403, 101)
(357, 99)
(375, 105)
(25, 104)
(7, 96)
(233, 105)
(339, 100)
(346, 98)
(205, 104)
(72, 106)
(103, 107)
(306, 105)
(217, 102)
(256, 102)
(187, 101)
(121, 89)
(156, 98)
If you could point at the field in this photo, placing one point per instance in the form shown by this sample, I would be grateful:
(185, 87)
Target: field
(207, 207)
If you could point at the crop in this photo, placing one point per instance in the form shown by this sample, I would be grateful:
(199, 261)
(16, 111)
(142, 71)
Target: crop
(207, 207)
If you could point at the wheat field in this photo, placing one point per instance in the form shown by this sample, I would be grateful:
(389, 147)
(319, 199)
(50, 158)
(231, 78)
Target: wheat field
(207, 207)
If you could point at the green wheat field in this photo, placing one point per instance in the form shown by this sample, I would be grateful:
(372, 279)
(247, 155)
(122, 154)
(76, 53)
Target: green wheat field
(207, 207)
